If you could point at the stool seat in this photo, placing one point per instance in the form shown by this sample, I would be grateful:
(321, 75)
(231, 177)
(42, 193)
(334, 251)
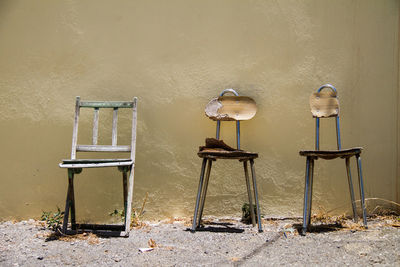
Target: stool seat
(219, 153)
(331, 154)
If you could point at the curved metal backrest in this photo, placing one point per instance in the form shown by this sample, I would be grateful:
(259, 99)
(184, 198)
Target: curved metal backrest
(231, 108)
(325, 105)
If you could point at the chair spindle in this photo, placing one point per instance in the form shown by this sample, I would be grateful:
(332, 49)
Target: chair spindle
(95, 126)
(114, 127)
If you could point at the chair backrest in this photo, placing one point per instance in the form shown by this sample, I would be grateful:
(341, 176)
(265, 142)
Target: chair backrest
(325, 104)
(231, 108)
(94, 147)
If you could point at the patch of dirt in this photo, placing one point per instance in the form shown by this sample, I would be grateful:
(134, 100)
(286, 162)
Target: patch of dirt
(219, 242)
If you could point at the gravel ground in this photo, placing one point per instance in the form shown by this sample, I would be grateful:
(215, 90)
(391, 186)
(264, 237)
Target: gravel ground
(222, 243)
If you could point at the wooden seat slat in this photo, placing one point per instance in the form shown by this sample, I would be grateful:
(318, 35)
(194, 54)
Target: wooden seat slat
(93, 160)
(105, 104)
(102, 148)
(95, 165)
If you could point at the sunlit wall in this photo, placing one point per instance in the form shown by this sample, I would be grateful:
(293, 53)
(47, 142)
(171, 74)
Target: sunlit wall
(175, 56)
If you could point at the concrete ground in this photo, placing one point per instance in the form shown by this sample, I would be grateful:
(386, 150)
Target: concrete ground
(222, 242)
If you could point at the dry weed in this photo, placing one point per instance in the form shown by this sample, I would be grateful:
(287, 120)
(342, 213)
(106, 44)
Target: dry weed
(187, 222)
(152, 243)
(353, 226)
(233, 221)
(170, 220)
(270, 221)
(388, 220)
(322, 216)
(91, 238)
(136, 216)
(184, 220)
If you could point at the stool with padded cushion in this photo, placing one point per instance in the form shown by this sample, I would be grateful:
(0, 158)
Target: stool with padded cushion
(325, 105)
(227, 108)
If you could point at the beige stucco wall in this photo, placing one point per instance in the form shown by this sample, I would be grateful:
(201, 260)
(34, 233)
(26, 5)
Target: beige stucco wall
(175, 56)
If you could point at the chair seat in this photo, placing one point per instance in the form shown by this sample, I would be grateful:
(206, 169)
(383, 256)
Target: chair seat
(219, 153)
(332, 154)
(94, 163)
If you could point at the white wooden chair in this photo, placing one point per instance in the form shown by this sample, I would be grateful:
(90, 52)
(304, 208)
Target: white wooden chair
(125, 165)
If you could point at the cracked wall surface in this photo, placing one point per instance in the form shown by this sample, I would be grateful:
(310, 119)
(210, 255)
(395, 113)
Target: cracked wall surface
(175, 56)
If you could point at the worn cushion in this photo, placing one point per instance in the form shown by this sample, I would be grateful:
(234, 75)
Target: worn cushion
(331, 154)
(215, 148)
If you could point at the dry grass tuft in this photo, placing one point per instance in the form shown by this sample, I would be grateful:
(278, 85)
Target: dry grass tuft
(343, 221)
(184, 220)
(152, 243)
(388, 220)
(353, 226)
(91, 238)
(136, 215)
(322, 216)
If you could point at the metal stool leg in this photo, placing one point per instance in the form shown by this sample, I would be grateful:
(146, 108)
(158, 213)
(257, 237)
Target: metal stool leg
(253, 175)
(306, 188)
(310, 190)
(203, 197)
(353, 202)
(361, 185)
(246, 174)
(196, 209)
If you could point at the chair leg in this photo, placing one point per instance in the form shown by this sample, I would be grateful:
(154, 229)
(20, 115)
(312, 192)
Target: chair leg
(125, 187)
(203, 197)
(361, 185)
(72, 201)
(196, 209)
(129, 200)
(350, 180)
(306, 189)
(246, 174)
(310, 190)
(67, 202)
(253, 175)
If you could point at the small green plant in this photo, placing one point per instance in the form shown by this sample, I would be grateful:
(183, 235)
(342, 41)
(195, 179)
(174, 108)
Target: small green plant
(120, 214)
(246, 216)
(53, 219)
(135, 216)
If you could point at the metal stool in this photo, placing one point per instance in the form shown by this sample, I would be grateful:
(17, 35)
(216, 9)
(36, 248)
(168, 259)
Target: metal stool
(227, 108)
(325, 105)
